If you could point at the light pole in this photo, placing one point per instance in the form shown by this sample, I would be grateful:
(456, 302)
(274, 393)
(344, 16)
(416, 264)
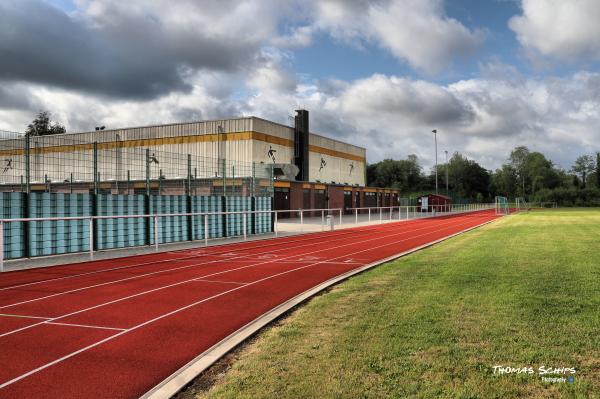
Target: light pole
(446, 152)
(434, 131)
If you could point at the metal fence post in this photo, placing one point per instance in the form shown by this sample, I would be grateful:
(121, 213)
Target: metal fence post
(245, 224)
(356, 216)
(301, 220)
(341, 216)
(27, 163)
(147, 171)
(275, 224)
(380, 215)
(1, 246)
(95, 167)
(322, 220)
(156, 232)
(205, 229)
(91, 227)
(369, 214)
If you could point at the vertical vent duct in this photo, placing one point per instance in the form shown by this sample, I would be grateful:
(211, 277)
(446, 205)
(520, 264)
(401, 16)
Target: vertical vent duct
(301, 144)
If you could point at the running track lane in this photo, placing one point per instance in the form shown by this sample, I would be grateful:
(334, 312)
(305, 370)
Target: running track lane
(117, 328)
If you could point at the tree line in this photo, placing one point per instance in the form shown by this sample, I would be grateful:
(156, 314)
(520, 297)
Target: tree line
(527, 174)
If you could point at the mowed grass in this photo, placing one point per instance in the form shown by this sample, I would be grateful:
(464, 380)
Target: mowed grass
(523, 291)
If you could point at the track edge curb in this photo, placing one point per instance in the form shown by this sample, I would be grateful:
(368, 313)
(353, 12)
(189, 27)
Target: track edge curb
(182, 377)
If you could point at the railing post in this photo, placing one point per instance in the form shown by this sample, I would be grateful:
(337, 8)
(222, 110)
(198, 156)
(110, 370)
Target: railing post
(27, 163)
(391, 212)
(95, 166)
(1, 246)
(341, 216)
(245, 224)
(322, 220)
(205, 230)
(356, 216)
(156, 232)
(275, 224)
(369, 214)
(147, 171)
(91, 227)
(380, 215)
(301, 220)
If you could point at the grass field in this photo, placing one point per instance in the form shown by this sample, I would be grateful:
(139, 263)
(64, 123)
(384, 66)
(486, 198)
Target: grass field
(521, 292)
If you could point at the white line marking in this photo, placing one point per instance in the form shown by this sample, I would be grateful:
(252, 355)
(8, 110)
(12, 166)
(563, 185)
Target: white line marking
(209, 275)
(85, 326)
(149, 274)
(25, 317)
(68, 356)
(153, 273)
(176, 381)
(219, 281)
(189, 252)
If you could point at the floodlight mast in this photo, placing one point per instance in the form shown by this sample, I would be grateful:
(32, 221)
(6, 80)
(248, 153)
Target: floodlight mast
(446, 152)
(434, 131)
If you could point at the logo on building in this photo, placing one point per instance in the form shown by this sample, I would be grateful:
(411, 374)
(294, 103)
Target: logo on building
(8, 165)
(323, 164)
(271, 153)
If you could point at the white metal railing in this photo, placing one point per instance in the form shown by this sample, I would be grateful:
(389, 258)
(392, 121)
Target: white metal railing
(324, 222)
(419, 210)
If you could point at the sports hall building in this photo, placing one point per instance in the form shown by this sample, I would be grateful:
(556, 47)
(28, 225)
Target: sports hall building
(239, 156)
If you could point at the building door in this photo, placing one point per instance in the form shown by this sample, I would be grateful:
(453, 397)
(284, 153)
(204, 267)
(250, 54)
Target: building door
(347, 201)
(282, 201)
(306, 200)
(320, 200)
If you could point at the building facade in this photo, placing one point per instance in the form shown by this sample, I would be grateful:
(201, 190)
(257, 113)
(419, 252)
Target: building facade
(228, 147)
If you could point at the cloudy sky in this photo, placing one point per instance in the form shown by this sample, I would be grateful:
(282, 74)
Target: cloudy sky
(488, 74)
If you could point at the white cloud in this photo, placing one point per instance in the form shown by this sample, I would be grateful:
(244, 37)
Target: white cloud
(560, 29)
(226, 72)
(415, 31)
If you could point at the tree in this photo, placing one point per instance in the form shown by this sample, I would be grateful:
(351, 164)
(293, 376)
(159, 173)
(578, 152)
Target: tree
(598, 169)
(540, 172)
(404, 174)
(584, 164)
(518, 160)
(504, 181)
(467, 178)
(41, 126)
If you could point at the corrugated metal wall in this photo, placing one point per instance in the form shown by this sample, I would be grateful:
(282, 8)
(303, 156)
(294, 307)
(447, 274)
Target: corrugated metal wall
(127, 153)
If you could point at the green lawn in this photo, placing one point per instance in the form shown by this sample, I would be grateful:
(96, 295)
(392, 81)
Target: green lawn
(524, 291)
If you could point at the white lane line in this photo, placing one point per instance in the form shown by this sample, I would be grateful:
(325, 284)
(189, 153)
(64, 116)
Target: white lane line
(223, 259)
(157, 272)
(190, 254)
(24, 316)
(68, 356)
(219, 281)
(86, 326)
(181, 378)
(210, 275)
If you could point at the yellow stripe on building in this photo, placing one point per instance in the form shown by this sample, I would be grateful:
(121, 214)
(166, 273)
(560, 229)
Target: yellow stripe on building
(155, 142)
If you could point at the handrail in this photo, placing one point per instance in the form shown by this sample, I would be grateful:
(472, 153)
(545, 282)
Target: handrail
(439, 210)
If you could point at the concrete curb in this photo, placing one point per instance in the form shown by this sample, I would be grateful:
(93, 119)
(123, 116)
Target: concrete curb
(178, 380)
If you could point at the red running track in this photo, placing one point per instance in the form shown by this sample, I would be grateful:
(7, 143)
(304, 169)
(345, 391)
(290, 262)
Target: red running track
(117, 328)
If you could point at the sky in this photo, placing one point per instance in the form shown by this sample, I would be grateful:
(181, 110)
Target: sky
(488, 75)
